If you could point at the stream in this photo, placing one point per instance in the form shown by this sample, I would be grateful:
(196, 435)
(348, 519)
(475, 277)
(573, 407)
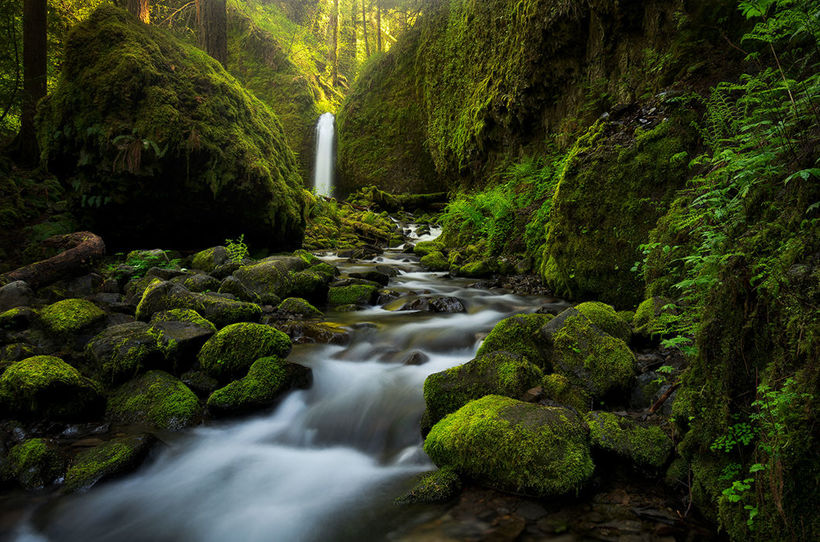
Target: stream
(327, 462)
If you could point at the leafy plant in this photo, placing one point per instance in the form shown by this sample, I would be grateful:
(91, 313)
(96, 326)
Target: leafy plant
(237, 249)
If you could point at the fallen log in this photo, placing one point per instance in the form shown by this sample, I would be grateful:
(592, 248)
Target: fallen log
(79, 249)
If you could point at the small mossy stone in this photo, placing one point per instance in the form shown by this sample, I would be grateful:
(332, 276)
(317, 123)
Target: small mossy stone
(17, 318)
(71, 316)
(307, 332)
(624, 437)
(123, 351)
(557, 388)
(209, 259)
(34, 463)
(520, 335)
(180, 334)
(266, 380)
(299, 306)
(478, 269)
(201, 283)
(497, 373)
(435, 261)
(606, 319)
(514, 446)
(163, 296)
(230, 353)
(652, 317)
(439, 486)
(232, 285)
(47, 387)
(355, 294)
(17, 352)
(156, 399)
(108, 460)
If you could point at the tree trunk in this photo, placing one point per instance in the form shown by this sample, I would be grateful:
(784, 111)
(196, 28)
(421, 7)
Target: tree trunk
(35, 51)
(364, 28)
(333, 43)
(212, 24)
(80, 250)
(140, 9)
(379, 24)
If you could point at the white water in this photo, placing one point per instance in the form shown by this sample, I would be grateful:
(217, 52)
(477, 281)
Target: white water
(326, 464)
(325, 156)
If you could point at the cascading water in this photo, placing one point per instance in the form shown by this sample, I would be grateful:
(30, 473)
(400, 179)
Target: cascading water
(325, 155)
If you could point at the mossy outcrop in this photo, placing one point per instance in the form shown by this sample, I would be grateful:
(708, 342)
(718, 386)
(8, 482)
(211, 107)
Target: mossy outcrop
(495, 373)
(161, 144)
(48, 387)
(520, 335)
(156, 399)
(34, 463)
(70, 316)
(163, 296)
(559, 389)
(435, 261)
(514, 446)
(230, 353)
(645, 446)
(108, 460)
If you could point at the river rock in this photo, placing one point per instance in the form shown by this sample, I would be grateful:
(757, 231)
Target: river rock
(209, 259)
(373, 275)
(435, 261)
(652, 317)
(33, 464)
(17, 318)
(514, 446)
(232, 285)
(229, 354)
(307, 332)
(521, 335)
(299, 307)
(439, 486)
(606, 319)
(71, 316)
(108, 460)
(432, 303)
(122, 352)
(163, 296)
(355, 294)
(645, 446)
(15, 294)
(156, 399)
(181, 333)
(201, 283)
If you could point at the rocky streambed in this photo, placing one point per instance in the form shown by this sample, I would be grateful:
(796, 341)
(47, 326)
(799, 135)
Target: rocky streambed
(312, 417)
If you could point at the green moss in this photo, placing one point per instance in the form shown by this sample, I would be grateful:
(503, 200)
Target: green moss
(605, 318)
(182, 315)
(123, 351)
(441, 485)
(624, 437)
(424, 248)
(157, 399)
(559, 389)
(105, 461)
(48, 387)
(231, 352)
(651, 319)
(355, 294)
(435, 261)
(265, 381)
(16, 318)
(499, 373)
(165, 296)
(477, 269)
(519, 335)
(514, 446)
(33, 463)
(297, 305)
(70, 316)
(160, 125)
(16, 352)
(207, 260)
(592, 359)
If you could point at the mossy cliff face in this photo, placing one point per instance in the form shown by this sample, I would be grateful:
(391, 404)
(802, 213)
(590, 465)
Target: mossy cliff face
(160, 144)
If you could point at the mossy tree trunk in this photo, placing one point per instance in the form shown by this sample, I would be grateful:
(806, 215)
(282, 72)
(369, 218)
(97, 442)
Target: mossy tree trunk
(333, 43)
(35, 51)
(212, 25)
(364, 29)
(140, 9)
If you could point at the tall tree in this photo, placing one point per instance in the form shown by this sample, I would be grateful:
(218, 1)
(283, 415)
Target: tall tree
(212, 24)
(364, 28)
(35, 51)
(140, 9)
(347, 39)
(379, 24)
(333, 43)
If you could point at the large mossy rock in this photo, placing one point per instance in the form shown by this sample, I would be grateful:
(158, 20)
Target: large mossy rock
(181, 333)
(47, 387)
(514, 446)
(278, 277)
(164, 296)
(123, 351)
(230, 353)
(496, 373)
(645, 446)
(33, 464)
(70, 316)
(519, 334)
(266, 380)
(156, 399)
(108, 460)
(161, 144)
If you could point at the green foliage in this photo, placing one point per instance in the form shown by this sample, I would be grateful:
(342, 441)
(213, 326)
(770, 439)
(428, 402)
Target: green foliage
(237, 249)
(141, 261)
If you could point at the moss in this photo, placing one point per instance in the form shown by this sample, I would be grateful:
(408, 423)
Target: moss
(559, 389)
(209, 259)
(651, 319)
(70, 316)
(16, 352)
(519, 335)
(424, 248)
(355, 294)
(435, 261)
(514, 446)
(605, 318)
(160, 125)
(592, 359)
(230, 353)
(16, 318)
(182, 315)
(267, 378)
(499, 373)
(164, 296)
(624, 437)
(441, 485)
(33, 463)
(477, 269)
(299, 306)
(48, 387)
(105, 461)
(309, 284)
(121, 352)
(157, 399)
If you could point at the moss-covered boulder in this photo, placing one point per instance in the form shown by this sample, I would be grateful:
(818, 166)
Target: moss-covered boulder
(165, 296)
(307, 332)
(180, 334)
(498, 373)
(559, 389)
(606, 319)
(514, 446)
(71, 316)
(278, 277)
(156, 399)
(299, 307)
(230, 353)
(645, 446)
(435, 261)
(164, 143)
(209, 259)
(519, 334)
(266, 380)
(653, 317)
(477, 269)
(48, 387)
(439, 486)
(425, 248)
(33, 464)
(106, 461)
(17, 318)
(354, 294)
(123, 351)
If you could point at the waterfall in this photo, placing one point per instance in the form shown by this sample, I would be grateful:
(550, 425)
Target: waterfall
(325, 156)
